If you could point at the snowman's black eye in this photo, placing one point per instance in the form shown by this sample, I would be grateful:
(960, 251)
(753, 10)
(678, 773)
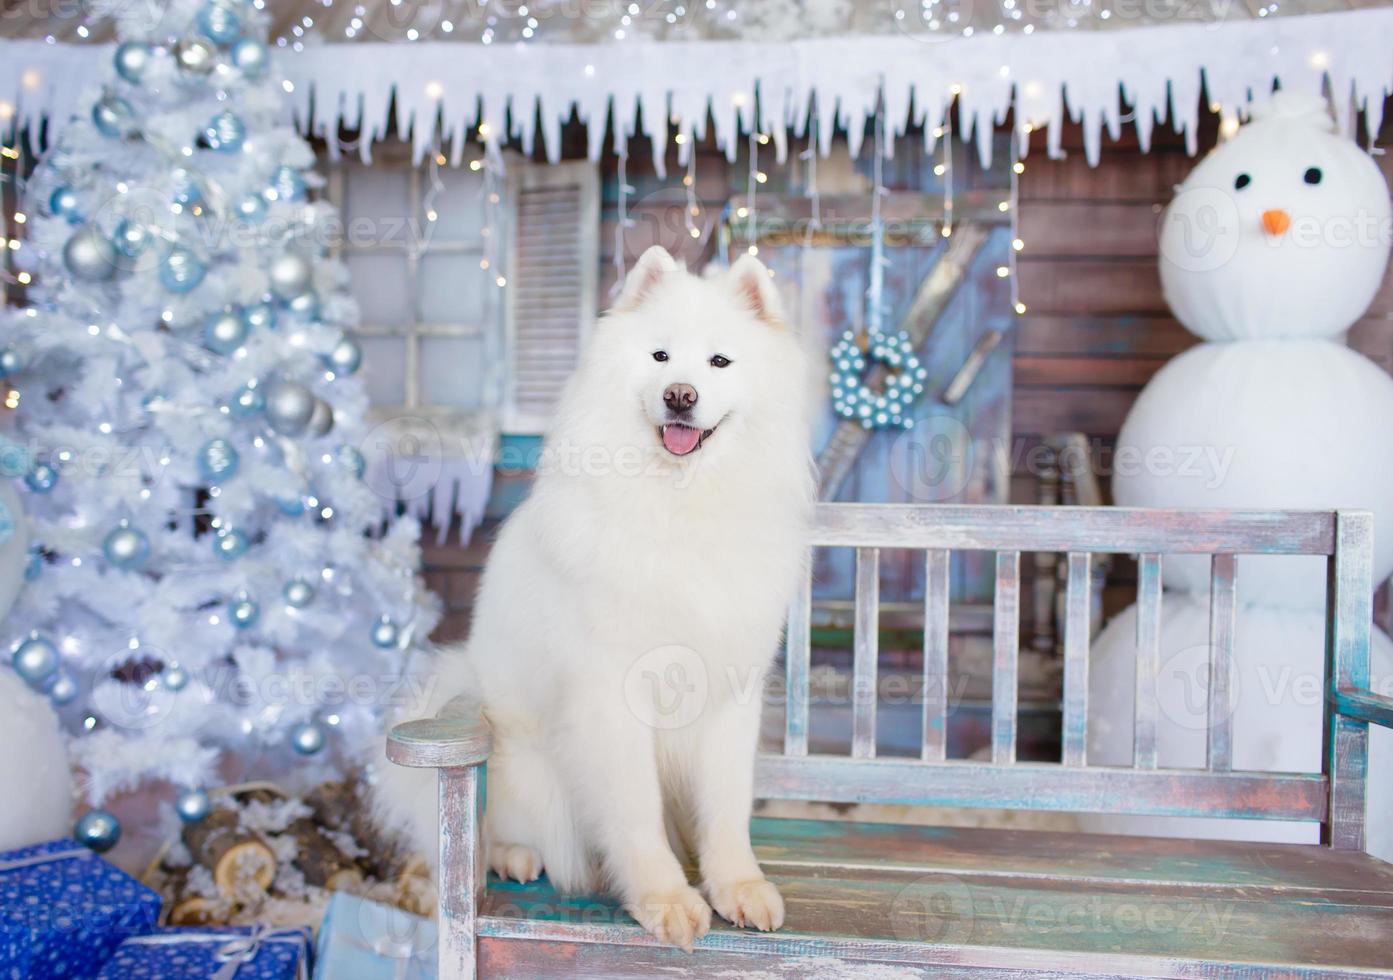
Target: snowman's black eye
(1241, 181)
(1313, 175)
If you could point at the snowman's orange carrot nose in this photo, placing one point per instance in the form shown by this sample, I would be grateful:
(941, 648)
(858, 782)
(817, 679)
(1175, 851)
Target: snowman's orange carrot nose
(1276, 221)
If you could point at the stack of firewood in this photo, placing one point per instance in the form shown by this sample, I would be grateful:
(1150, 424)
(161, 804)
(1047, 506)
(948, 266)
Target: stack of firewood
(262, 856)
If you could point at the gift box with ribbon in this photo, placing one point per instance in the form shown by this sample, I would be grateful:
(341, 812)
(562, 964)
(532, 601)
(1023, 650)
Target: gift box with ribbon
(364, 940)
(63, 910)
(232, 953)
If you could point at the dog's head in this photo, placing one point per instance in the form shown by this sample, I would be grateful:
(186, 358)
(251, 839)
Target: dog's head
(695, 361)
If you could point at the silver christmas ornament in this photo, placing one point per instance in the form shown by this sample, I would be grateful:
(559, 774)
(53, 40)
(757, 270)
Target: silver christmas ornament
(97, 830)
(196, 55)
(322, 418)
(251, 57)
(132, 58)
(224, 332)
(35, 660)
(289, 406)
(289, 275)
(89, 255)
(113, 117)
(126, 547)
(298, 593)
(346, 357)
(307, 738)
(193, 805)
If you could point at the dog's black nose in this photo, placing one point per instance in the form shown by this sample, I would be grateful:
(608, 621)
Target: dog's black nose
(680, 398)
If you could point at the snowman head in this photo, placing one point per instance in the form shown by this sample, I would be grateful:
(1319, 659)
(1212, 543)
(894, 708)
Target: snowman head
(1282, 231)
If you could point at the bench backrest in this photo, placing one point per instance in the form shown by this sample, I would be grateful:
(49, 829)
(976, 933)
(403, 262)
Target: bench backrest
(1334, 797)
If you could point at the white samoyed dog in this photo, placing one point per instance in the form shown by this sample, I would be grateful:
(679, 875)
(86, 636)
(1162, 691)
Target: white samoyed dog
(632, 605)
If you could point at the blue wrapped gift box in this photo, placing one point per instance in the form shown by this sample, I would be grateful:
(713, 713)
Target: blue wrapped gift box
(63, 910)
(363, 940)
(231, 953)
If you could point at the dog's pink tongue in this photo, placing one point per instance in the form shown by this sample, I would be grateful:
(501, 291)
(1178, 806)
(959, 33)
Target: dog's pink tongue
(680, 439)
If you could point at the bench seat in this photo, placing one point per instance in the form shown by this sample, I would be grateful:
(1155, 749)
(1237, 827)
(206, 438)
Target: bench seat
(888, 902)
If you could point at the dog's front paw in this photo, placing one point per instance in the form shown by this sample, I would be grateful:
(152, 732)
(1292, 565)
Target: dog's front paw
(515, 861)
(751, 902)
(679, 917)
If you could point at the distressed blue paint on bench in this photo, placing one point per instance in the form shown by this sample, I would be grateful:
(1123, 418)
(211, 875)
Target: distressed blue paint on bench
(951, 902)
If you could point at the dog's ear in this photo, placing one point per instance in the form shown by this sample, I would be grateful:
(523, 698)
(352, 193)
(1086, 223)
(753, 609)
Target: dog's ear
(755, 288)
(647, 272)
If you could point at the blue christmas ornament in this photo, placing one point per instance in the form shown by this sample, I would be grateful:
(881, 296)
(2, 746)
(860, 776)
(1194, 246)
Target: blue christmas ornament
(131, 239)
(225, 132)
(230, 544)
(174, 678)
(350, 459)
(42, 478)
(182, 270)
(132, 58)
(187, 193)
(218, 22)
(193, 805)
(247, 403)
(252, 209)
(97, 830)
(62, 203)
(385, 633)
(63, 690)
(345, 358)
(251, 57)
(126, 547)
(259, 316)
(298, 593)
(10, 362)
(224, 332)
(243, 613)
(218, 460)
(34, 565)
(305, 306)
(291, 508)
(35, 660)
(113, 117)
(307, 738)
(286, 185)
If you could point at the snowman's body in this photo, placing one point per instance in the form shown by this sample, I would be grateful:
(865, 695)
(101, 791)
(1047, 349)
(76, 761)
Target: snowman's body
(1274, 246)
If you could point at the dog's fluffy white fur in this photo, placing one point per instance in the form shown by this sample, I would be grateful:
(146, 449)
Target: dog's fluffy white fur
(632, 606)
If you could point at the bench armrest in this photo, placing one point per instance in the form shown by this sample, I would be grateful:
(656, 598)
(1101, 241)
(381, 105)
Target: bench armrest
(1365, 706)
(453, 739)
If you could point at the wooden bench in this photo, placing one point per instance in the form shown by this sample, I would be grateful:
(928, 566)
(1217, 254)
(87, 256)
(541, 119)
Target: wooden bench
(884, 902)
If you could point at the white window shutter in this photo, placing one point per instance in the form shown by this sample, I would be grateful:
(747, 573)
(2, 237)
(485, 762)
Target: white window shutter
(552, 281)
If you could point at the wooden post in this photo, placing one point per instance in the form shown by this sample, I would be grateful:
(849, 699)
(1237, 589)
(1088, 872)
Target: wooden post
(1350, 597)
(462, 873)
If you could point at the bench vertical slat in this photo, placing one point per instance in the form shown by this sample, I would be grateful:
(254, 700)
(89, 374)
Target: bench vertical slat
(797, 657)
(865, 650)
(1148, 660)
(1005, 663)
(1077, 601)
(935, 690)
(461, 872)
(1223, 612)
(1349, 619)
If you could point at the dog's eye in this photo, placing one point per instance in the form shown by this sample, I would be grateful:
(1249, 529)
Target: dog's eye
(1242, 181)
(660, 355)
(720, 360)
(1313, 175)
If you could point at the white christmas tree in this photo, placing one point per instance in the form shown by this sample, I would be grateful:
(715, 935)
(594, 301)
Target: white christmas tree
(207, 597)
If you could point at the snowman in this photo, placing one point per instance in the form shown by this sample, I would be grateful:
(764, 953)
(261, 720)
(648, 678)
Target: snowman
(1273, 247)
